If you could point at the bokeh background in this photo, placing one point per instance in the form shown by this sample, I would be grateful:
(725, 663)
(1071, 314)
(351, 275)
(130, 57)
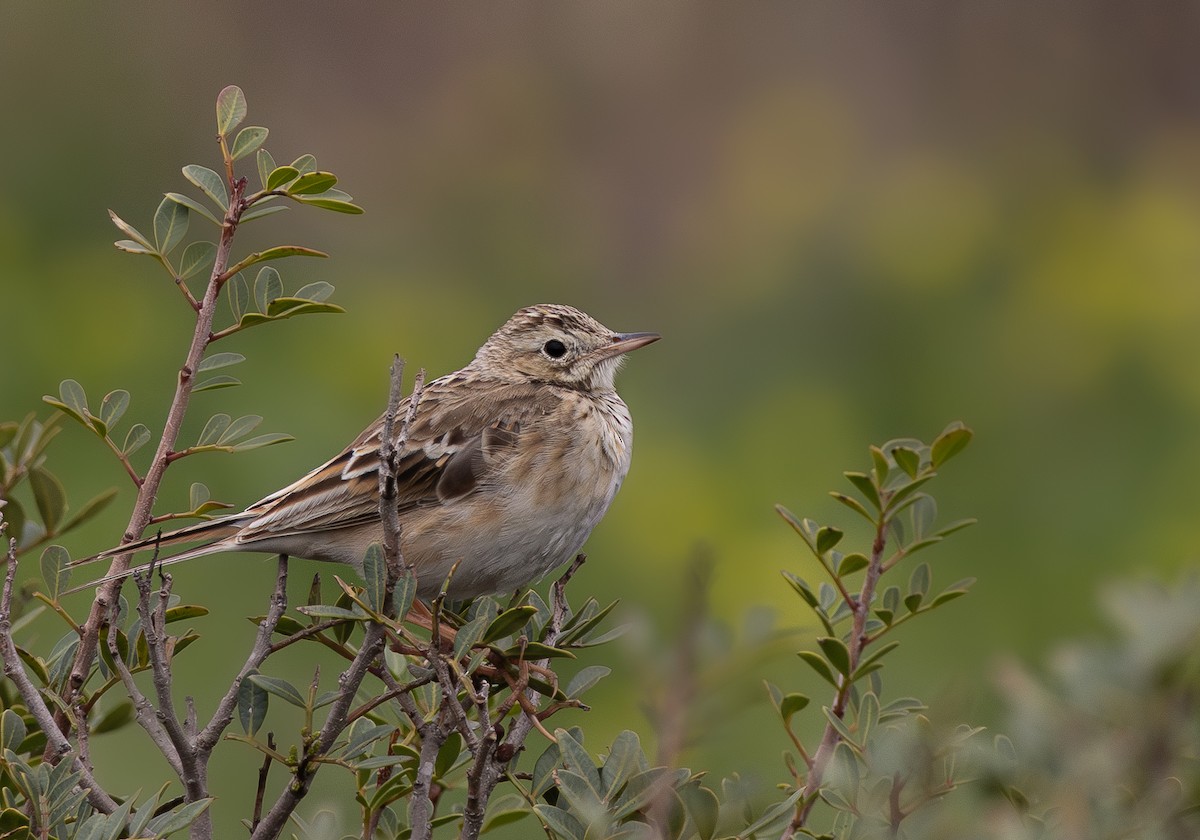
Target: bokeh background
(850, 221)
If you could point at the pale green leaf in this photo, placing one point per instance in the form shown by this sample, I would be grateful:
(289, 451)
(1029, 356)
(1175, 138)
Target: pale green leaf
(170, 225)
(231, 109)
(209, 182)
(248, 141)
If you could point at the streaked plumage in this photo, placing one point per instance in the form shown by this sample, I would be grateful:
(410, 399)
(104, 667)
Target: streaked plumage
(509, 464)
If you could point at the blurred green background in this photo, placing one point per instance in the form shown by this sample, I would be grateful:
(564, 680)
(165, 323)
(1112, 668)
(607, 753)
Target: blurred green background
(850, 221)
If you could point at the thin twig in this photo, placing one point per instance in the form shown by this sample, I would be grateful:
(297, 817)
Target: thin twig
(144, 711)
(262, 783)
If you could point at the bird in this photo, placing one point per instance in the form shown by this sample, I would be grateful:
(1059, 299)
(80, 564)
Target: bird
(507, 466)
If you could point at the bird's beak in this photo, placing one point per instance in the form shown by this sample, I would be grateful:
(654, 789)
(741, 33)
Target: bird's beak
(624, 342)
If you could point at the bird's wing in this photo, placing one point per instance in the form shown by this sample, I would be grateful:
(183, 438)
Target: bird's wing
(459, 438)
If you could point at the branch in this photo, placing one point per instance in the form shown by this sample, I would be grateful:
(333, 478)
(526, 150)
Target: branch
(56, 743)
(106, 594)
(858, 640)
(144, 711)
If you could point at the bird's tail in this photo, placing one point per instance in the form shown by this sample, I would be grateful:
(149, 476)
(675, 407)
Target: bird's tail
(212, 533)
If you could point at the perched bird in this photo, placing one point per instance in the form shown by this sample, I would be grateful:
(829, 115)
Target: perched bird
(508, 465)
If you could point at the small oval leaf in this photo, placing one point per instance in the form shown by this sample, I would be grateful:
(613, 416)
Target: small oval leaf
(231, 109)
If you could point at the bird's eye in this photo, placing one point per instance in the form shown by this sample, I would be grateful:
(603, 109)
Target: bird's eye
(554, 348)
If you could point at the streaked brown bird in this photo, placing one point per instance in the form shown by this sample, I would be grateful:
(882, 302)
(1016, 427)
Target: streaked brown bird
(509, 464)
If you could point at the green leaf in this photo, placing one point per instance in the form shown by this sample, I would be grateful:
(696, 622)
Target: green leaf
(318, 291)
(283, 308)
(469, 634)
(252, 702)
(281, 175)
(839, 725)
(113, 406)
(213, 429)
(949, 443)
(12, 730)
(447, 755)
(248, 141)
(332, 611)
(918, 582)
(311, 183)
(280, 688)
(585, 679)
(576, 759)
(137, 437)
(505, 811)
(854, 505)
(625, 758)
(210, 183)
(115, 718)
(508, 623)
(75, 399)
(262, 210)
(266, 165)
(908, 459)
(405, 592)
(239, 428)
(262, 440)
(173, 821)
(278, 252)
(129, 230)
(375, 576)
(197, 256)
(267, 287)
(183, 612)
(92, 507)
(703, 807)
(862, 482)
(836, 652)
(56, 570)
(305, 164)
(14, 521)
(217, 382)
(881, 467)
(170, 225)
(239, 296)
(852, 563)
(50, 497)
(131, 247)
(791, 704)
(194, 206)
(220, 360)
(875, 656)
(197, 495)
(231, 109)
(336, 205)
(827, 538)
(951, 592)
(818, 664)
(564, 826)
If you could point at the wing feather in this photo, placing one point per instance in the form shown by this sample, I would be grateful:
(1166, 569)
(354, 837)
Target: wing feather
(460, 437)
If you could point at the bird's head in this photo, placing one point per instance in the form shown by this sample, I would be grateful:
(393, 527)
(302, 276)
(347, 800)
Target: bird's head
(559, 345)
